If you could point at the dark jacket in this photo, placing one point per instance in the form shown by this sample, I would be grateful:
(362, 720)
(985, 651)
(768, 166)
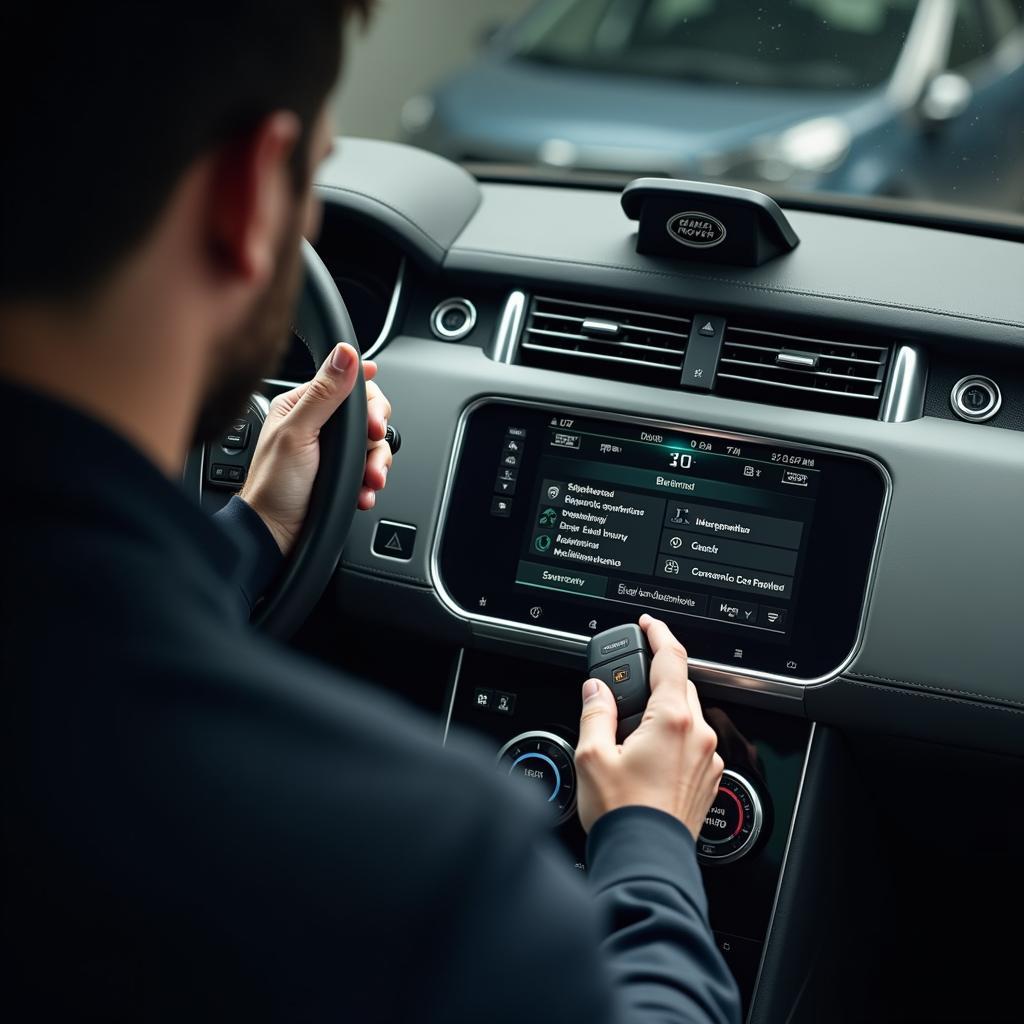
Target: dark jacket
(200, 823)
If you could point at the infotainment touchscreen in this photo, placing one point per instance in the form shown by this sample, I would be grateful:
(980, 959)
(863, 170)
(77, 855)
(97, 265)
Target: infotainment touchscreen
(757, 552)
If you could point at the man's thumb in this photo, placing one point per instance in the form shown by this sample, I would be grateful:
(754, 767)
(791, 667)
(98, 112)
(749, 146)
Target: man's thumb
(330, 387)
(599, 717)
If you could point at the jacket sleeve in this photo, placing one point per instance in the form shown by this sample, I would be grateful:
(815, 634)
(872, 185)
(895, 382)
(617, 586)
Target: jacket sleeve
(263, 557)
(653, 913)
(537, 940)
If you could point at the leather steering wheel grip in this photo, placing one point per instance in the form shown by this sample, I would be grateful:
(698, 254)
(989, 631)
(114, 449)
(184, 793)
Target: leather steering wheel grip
(320, 322)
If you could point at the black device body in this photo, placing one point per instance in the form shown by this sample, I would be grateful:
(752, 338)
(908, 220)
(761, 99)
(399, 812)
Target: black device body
(621, 659)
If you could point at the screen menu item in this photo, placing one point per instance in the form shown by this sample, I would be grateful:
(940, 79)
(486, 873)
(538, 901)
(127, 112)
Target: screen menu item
(756, 552)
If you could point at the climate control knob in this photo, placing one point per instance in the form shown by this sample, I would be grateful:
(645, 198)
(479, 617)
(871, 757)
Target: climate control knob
(733, 821)
(546, 761)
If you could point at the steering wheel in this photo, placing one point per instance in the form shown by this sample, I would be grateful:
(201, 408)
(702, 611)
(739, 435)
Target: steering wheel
(320, 321)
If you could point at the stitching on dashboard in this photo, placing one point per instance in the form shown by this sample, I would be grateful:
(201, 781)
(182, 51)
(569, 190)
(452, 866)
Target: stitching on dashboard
(397, 577)
(923, 695)
(932, 687)
(767, 289)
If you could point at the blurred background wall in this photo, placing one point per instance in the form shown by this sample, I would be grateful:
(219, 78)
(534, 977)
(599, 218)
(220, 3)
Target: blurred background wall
(410, 45)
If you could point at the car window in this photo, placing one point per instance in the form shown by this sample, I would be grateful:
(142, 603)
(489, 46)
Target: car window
(782, 43)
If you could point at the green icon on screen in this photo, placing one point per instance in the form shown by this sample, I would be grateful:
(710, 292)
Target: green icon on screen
(548, 518)
(543, 542)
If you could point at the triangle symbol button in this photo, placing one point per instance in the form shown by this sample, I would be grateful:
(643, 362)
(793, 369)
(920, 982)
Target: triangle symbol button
(708, 328)
(394, 544)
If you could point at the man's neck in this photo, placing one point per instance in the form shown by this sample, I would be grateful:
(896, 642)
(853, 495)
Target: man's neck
(126, 362)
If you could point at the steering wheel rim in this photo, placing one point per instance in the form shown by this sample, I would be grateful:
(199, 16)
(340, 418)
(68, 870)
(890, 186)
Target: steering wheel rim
(321, 321)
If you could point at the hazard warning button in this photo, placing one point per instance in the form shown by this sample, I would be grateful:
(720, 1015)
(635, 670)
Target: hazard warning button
(394, 540)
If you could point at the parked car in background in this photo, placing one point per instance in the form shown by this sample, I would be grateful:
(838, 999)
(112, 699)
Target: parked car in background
(910, 98)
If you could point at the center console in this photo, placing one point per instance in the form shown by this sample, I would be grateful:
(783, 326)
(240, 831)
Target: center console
(759, 553)
(529, 713)
(558, 523)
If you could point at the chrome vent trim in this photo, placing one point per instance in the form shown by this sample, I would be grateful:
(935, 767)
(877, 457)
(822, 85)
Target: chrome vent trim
(606, 334)
(849, 376)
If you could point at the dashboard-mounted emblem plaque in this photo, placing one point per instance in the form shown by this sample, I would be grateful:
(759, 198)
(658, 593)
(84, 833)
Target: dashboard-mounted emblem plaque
(697, 230)
(707, 223)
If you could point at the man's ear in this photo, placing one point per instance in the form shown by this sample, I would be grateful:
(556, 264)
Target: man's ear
(252, 197)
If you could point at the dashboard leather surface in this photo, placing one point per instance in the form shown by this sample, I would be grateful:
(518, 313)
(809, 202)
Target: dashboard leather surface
(421, 198)
(889, 276)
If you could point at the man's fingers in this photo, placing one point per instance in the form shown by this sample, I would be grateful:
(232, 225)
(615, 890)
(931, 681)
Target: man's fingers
(598, 720)
(378, 462)
(378, 412)
(369, 370)
(669, 665)
(330, 387)
(285, 402)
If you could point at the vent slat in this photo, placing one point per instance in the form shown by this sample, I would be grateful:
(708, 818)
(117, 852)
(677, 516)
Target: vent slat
(810, 373)
(591, 307)
(593, 339)
(795, 387)
(821, 355)
(645, 347)
(843, 376)
(601, 357)
(804, 340)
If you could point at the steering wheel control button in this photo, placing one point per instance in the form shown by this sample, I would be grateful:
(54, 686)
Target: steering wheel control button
(483, 700)
(733, 822)
(546, 762)
(976, 398)
(394, 540)
(453, 319)
(237, 437)
(227, 474)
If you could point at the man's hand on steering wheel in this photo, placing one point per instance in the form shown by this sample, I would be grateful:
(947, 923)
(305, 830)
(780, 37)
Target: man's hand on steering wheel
(287, 454)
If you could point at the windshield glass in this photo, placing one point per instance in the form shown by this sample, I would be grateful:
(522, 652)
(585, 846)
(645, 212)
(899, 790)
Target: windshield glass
(920, 102)
(813, 44)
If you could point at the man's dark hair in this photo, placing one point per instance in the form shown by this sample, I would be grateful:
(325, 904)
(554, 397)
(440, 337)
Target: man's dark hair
(106, 105)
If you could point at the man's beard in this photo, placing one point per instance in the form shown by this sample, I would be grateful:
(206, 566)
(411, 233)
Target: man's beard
(254, 351)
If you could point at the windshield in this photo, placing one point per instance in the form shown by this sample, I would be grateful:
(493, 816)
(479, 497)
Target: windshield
(813, 44)
(917, 102)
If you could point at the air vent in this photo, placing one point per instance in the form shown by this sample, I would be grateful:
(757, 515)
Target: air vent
(834, 375)
(605, 341)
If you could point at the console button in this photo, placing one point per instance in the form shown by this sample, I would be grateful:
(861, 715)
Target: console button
(772, 618)
(394, 540)
(976, 398)
(504, 703)
(702, 351)
(501, 507)
(733, 822)
(545, 761)
(483, 699)
(506, 482)
(733, 611)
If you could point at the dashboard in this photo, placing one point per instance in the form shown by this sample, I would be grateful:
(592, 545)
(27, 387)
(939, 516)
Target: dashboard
(902, 597)
(813, 469)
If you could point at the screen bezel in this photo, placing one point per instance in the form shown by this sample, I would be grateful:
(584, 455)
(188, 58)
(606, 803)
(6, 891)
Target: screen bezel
(548, 637)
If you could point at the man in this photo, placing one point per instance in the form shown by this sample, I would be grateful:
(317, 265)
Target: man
(196, 822)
